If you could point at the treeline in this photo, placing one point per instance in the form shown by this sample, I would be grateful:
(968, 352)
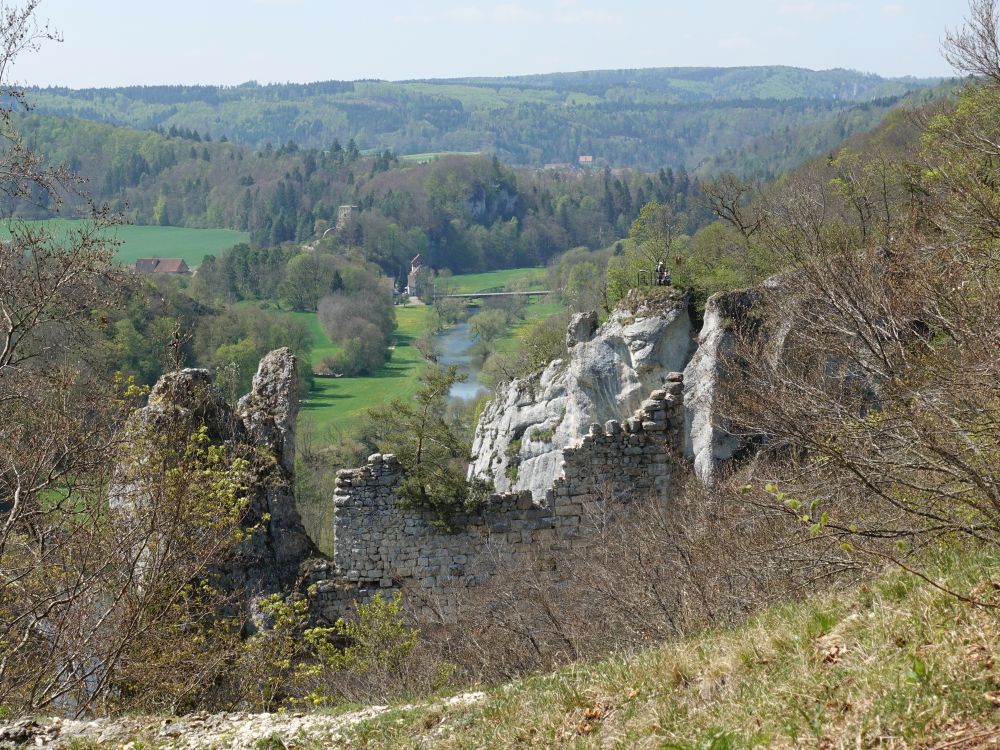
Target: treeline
(626, 118)
(165, 323)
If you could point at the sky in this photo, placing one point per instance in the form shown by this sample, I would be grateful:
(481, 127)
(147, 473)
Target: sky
(129, 42)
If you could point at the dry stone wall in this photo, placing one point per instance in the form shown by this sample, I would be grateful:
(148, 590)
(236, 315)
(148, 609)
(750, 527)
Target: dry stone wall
(380, 546)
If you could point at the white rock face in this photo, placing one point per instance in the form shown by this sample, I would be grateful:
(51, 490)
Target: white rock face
(706, 442)
(608, 373)
(709, 442)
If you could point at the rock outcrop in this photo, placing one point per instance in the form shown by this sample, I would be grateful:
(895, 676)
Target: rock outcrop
(757, 315)
(270, 409)
(707, 440)
(261, 428)
(608, 372)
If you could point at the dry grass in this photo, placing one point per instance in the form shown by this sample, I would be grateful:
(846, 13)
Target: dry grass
(894, 663)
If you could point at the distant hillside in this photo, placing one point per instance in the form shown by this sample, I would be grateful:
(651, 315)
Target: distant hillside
(648, 118)
(465, 213)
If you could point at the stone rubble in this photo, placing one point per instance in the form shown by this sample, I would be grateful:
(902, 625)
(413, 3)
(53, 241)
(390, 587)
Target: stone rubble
(201, 731)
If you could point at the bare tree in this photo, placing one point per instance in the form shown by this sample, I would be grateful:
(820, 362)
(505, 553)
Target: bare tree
(870, 370)
(729, 198)
(101, 608)
(974, 48)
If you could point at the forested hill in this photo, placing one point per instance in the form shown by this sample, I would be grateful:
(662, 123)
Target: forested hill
(650, 118)
(465, 213)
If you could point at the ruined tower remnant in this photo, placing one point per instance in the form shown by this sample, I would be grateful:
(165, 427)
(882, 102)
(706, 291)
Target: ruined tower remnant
(345, 214)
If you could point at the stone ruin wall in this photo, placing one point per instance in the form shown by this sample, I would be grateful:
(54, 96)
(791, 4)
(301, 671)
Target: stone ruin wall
(382, 547)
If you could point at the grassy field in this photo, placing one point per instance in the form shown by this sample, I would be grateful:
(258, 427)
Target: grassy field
(322, 346)
(533, 278)
(537, 309)
(159, 242)
(431, 156)
(339, 403)
(894, 663)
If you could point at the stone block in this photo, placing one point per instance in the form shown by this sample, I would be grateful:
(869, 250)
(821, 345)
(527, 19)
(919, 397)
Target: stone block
(543, 535)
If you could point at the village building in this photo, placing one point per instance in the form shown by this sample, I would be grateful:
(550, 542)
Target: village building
(411, 280)
(162, 265)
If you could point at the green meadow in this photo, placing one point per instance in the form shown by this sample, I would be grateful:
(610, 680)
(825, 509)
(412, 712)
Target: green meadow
(156, 242)
(536, 310)
(525, 279)
(432, 155)
(336, 404)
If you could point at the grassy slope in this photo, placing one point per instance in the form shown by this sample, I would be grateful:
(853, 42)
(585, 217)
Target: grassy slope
(322, 346)
(432, 155)
(160, 242)
(893, 663)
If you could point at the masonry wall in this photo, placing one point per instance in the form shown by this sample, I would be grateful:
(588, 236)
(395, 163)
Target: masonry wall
(380, 546)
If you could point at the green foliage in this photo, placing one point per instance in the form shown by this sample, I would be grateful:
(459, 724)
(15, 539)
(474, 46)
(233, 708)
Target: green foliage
(308, 277)
(374, 646)
(513, 454)
(289, 663)
(654, 238)
(269, 657)
(430, 450)
(359, 316)
(487, 326)
(542, 435)
(467, 213)
(538, 343)
(238, 336)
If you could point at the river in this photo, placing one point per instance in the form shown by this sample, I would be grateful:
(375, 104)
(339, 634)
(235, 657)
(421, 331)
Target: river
(454, 344)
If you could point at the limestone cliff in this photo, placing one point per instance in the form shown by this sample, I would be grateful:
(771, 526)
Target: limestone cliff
(608, 372)
(757, 315)
(707, 441)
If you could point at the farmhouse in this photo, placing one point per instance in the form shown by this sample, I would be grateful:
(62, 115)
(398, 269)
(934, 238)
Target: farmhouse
(161, 265)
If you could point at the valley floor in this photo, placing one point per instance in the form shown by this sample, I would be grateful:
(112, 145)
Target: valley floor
(895, 662)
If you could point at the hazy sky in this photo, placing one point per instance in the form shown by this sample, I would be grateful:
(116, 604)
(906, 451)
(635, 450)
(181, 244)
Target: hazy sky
(119, 42)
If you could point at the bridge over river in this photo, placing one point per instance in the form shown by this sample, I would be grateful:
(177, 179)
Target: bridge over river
(488, 295)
